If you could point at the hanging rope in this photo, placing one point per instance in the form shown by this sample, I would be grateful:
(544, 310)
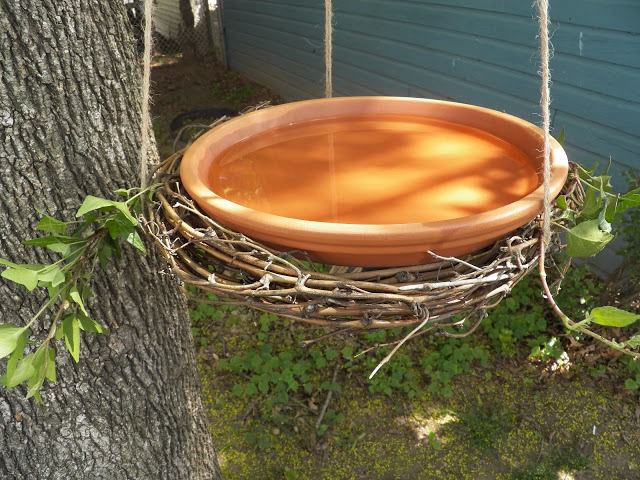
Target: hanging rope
(545, 104)
(328, 48)
(145, 123)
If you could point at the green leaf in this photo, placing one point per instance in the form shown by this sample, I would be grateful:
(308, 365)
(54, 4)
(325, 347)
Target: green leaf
(9, 338)
(347, 352)
(89, 325)
(71, 328)
(104, 254)
(135, 240)
(15, 357)
(330, 354)
(250, 390)
(263, 385)
(119, 227)
(22, 275)
(50, 373)
(633, 342)
(124, 209)
(612, 317)
(561, 201)
(601, 183)
(52, 276)
(23, 371)
(631, 384)
(63, 249)
(59, 333)
(77, 298)
(587, 239)
(123, 192)
(51, 225)
(568, 215)
(92, 203)
(40, 361)
(622, 203)
(595, 190)
(237, 390)
(7, 263)
(592, 203)
(117, 249)
(53, 291)
(629, 200)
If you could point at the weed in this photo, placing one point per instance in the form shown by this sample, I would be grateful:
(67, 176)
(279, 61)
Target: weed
(283, 384)
(272, 378)
(546, 349)
(399, 375)
(450, 359)
(550, 466)
(632, 368)
(202, 316)
(520, 315)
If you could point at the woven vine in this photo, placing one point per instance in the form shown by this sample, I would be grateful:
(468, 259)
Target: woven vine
(207, 255)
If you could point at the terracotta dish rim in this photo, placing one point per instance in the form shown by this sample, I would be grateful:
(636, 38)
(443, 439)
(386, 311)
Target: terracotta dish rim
(197, 160)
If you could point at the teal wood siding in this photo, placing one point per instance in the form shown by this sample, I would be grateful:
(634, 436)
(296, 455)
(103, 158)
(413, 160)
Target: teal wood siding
(474, 51)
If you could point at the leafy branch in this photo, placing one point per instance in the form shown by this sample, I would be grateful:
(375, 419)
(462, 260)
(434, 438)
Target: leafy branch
(84, 244)
(592, 230)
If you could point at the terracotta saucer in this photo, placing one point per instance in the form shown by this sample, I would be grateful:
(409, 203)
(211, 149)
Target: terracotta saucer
(372, 181)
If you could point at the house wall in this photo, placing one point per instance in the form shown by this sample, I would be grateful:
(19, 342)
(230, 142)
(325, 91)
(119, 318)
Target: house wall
(474, 51)
(167, 19)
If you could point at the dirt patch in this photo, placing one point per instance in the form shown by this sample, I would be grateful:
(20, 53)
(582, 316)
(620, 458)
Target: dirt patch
(179, 86)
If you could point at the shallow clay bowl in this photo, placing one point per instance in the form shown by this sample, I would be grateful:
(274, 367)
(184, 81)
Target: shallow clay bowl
(372, 181)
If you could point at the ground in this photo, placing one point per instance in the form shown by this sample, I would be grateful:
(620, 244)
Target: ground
(519, 400)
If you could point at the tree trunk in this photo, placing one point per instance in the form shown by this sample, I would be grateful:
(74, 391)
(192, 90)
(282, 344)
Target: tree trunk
(187, 35)
(69, 126)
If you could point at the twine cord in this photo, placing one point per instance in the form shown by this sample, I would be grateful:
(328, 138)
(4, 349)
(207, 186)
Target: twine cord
(545, 107)
(146, 95)
(328, 48)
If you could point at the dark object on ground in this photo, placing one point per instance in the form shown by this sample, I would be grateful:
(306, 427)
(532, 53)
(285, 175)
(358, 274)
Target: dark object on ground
(200, 114)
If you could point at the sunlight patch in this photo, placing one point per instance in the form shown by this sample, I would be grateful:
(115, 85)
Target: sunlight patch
(562, 475)
(426, 428)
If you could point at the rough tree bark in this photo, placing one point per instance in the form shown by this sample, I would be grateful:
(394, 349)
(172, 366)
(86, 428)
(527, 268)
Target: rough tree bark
(69, 126)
